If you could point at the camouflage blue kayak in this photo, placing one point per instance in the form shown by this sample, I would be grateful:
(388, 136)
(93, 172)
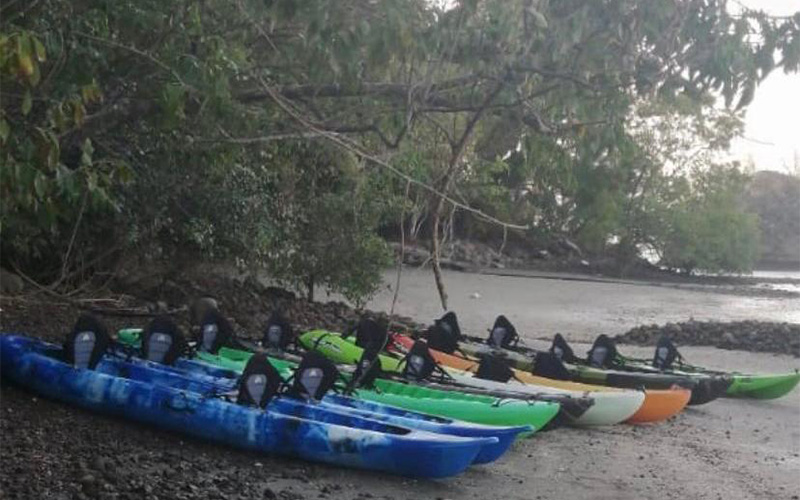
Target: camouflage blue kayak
(330, 437)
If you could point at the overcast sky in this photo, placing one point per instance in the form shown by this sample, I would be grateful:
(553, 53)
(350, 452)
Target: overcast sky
(772, 134)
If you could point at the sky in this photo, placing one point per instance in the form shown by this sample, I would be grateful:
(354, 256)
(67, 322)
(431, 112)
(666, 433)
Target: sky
(772, 123)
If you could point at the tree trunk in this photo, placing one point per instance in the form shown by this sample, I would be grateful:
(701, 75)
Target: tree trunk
(437, 270)
(310, 288)
(457, 150)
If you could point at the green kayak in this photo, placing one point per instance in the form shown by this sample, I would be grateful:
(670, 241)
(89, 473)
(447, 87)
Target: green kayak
(331, 346)
(667, 359)
(451, 404)
(742, 385)
(764, 386)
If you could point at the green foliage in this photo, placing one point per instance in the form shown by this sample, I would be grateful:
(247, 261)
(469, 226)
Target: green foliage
(709, 230)
(182, 130)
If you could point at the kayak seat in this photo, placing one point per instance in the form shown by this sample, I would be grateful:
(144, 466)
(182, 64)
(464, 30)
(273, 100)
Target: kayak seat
(419, 364)
(666, 354)
(86, 342)
(561, 349)
(215, 332)
(494, 368)
(313, 378)
(442, 337)
(450, 323)
(278, 333)
(503, 335)
(162, 341)
(603, 353)
(259, 383)
(549, 365)
(370, 335)
(367, 370)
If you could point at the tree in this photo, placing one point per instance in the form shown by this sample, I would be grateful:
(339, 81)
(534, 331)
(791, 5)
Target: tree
(127, 119)
(709, 228)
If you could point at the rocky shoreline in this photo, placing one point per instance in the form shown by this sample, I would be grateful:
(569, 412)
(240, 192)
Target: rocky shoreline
(752, 336)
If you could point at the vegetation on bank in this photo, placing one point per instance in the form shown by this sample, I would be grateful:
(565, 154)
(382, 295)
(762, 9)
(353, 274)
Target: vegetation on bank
(284, 134)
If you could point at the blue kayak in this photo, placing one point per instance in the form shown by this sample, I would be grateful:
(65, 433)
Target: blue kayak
(344, 440)
(193, 377)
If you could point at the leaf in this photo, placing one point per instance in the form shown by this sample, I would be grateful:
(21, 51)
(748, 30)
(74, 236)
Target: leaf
(86, 153)
(39, 185)
(39, 50)
(35, 77)
(60, 118)
(124, 173)
(24, 60)
(91, 92)
(78, 112)
(5, 130)
(27, 103)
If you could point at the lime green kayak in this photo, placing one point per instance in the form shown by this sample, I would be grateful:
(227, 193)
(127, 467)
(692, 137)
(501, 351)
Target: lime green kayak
(332, 347)
(763, 386)
(451, 404)
(742, 385)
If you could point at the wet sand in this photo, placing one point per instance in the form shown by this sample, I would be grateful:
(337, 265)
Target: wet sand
(580, 309)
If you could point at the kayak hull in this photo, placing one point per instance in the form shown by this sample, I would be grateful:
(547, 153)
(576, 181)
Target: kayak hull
(351, 442)
(661, 404)
(452, 405)
(704, 388)
(609, 408)
(658, 405)
(187, 379)
(771, 386)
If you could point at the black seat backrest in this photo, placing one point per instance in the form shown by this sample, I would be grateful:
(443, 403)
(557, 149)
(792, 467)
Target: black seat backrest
(442, 337)
(603, 353)
(259, 383)
(666, 353)
(561, 349)
(450, 323)
(503, 334)
(371, 335)
(215, 332)
(494, 368)
(278, 334)
(86, 342)
(547, 364)
(313, 378)
(162, 341)
(418, 363)
(368, 369)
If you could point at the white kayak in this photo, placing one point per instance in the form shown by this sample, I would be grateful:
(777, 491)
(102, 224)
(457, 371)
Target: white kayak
(610, 406)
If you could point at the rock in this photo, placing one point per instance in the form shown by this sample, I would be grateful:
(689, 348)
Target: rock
(745, 335)
(10, 283)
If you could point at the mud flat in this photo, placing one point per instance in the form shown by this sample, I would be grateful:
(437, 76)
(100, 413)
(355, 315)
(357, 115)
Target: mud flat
(582, 309)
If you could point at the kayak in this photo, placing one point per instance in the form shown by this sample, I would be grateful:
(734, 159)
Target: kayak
(200, 381)
(763, 386)
(342, 440)
(476, 409)
(742, 385)
(702, 389)
(658, 405)
(610, 406)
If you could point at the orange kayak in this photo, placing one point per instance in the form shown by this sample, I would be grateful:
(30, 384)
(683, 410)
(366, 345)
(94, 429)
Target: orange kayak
(659, 404)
